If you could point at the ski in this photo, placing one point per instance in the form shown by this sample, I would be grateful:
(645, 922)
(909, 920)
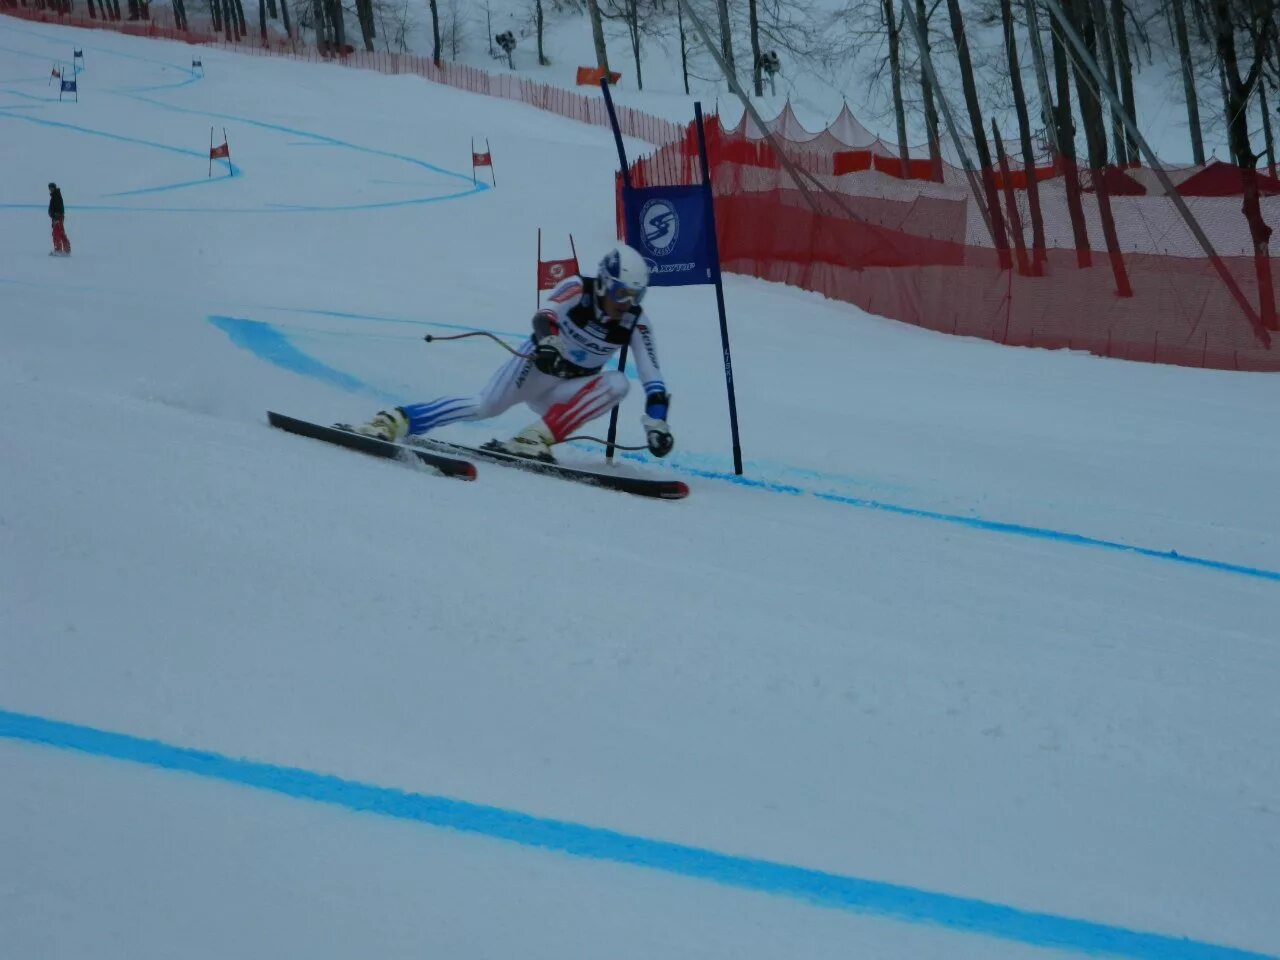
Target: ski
(447, 465)
(639, 486)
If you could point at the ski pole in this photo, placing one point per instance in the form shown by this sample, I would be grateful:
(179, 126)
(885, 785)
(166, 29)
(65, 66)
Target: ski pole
(432, 338)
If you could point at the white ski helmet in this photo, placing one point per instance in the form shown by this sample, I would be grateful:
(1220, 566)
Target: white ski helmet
(623, 276)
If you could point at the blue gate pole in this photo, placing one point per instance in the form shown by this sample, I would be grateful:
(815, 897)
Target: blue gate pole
(714, 247)
(626, 187)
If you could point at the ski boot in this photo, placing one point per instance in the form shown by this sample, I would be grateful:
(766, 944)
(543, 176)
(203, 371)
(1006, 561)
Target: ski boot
(389, 425)
(532, 443)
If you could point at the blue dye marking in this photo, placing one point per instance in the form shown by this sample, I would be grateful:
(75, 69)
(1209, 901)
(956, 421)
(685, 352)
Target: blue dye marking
(975, 523)
(203, 155)
(833, 891)
(316, 139)
(232, 171)
(265, 342)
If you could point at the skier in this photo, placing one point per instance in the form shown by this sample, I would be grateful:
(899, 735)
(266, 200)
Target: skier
(558, 372)
(61, 245)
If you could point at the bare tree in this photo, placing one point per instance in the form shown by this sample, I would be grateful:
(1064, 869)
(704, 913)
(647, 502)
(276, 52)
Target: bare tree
(1024, 135)
(1124, 69)
(1188, 79)
(1100, 22)
(753, 21)
(998, 235)
(597, 34)
(1258, 19)
(726, 37)
(1066, 139)
(435, 31)
(684, 47)
(537, 9)
(893, 29)
(926, 92)
(1079, 14)
(628, 11)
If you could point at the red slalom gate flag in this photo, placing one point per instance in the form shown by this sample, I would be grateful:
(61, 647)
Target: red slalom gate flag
(222, 152)
(551, 272)
(484, 159)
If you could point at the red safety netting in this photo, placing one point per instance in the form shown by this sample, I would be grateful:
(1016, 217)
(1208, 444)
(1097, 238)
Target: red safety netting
(918, 251)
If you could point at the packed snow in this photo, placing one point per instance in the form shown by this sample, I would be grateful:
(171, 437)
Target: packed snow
(978, 660)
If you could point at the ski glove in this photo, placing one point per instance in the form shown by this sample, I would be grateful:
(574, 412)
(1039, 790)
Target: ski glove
(658, 435)
(548, 358)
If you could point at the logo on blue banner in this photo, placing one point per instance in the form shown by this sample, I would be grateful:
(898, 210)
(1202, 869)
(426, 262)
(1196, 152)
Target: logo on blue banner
(661, 225)
(668, 225)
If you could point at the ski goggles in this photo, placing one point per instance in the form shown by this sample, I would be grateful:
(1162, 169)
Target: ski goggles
(620, 293)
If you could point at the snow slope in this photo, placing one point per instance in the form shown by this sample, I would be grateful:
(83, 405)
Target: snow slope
(979, 660)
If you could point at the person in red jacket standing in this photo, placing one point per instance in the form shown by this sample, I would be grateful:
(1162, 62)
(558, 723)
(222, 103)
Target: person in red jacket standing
(57, 212)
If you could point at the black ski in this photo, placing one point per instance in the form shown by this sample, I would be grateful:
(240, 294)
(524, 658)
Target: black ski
(640, 486)
(449, 466)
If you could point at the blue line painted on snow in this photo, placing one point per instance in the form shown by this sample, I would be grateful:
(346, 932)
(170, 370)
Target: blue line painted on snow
(264, 341)
(316, 139)
(270, 344)
(834, 891)
(232, 171)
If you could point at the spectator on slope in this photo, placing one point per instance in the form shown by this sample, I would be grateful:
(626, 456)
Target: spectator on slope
(57, 212)
(558, 372)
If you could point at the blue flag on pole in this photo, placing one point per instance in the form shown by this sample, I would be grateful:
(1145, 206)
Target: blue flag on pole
(68, 86)
(668, 225)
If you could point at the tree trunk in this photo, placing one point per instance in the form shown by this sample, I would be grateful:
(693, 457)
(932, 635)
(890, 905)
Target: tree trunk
(893, 26)
(284, 16)
(339, 27)
(93, 14)
(215, 12)
(597, 33)
(228, 21)
(262, 21)
(241, 29)
(1124, 67)
(1095, 137)
(364, 14)
(321, 17)
(998, 235)
(1011, 204)
(753, 18)
(1096, 14)
(1047, 115)
(1067, 151)
(1024, 135)
(926, 90)
(1188, 81)
(133, 9)
(684, 47)
(435, 31)
(726, 37)
(1266, 127)
(633, 27)
(271, 10)
(542, 57)
(1242, 154)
